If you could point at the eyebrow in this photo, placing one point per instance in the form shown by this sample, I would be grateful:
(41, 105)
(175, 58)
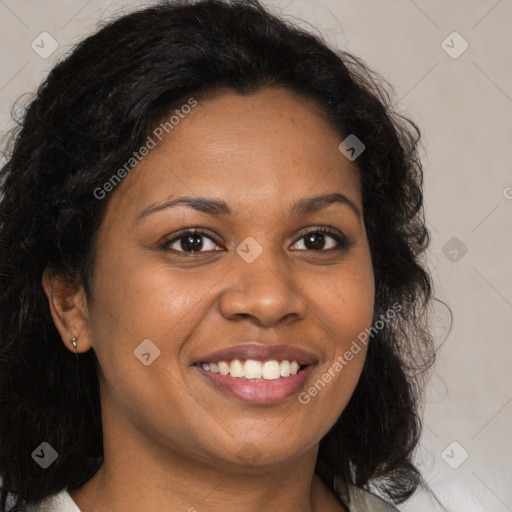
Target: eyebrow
(219, 207)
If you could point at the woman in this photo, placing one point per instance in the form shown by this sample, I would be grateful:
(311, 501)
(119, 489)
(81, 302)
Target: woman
(212, 292)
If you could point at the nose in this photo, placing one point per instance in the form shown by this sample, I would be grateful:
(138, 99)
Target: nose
(264, 291)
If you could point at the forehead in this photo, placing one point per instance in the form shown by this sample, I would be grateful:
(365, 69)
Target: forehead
(269, 147)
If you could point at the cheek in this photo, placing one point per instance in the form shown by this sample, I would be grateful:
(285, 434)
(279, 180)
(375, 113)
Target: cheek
(344, 306)
(345, 300)
(149, 299)
(136, 301)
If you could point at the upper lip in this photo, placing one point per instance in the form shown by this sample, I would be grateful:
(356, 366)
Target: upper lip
(259, 352)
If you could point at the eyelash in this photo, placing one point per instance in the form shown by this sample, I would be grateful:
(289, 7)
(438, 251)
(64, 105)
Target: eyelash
(343, 243)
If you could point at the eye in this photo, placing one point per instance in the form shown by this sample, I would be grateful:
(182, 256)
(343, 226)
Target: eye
(191, 240)
(317, 240)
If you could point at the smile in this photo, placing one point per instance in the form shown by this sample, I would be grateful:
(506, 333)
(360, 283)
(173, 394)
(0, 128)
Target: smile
(257, 382)
(252, 369)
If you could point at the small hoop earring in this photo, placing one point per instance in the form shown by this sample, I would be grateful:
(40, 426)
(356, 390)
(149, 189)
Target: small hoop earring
(74, 343)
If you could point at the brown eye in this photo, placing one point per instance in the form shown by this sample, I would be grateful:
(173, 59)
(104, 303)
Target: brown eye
(192, 240)
(323, 239)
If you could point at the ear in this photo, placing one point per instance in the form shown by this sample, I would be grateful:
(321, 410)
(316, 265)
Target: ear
(68, 307)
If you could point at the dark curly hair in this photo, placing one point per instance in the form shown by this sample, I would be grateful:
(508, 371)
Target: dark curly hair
(93, 110)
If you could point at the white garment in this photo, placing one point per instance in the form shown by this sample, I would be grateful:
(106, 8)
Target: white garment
(61, 502)
(359, 500)
(356, 501)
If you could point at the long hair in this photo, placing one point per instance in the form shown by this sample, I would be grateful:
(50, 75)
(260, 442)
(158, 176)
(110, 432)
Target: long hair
(93, 110)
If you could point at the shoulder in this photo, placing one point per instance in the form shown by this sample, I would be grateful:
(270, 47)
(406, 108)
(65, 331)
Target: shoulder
(364, 501)
(359, 500)
(61, 502)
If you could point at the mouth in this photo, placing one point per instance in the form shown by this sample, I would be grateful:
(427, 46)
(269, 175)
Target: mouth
(252, 370)
(260, 374)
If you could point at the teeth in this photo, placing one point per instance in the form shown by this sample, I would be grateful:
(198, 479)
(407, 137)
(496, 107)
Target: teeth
(271, 370)
(223, 368)
(252, 369)
(236, 368)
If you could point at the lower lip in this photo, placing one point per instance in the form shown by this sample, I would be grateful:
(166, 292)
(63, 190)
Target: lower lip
(263, 392)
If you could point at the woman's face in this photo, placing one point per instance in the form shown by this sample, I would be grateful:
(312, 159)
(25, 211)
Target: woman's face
(258, 275)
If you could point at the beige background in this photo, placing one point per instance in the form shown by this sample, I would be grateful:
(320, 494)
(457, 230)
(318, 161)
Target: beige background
(464, 107)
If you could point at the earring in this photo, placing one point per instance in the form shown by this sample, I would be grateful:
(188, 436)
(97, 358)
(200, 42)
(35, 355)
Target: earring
(74, 343)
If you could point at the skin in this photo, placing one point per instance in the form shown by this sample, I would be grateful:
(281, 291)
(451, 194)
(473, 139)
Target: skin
(172, 440)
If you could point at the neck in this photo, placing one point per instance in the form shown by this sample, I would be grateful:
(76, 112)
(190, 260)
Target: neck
(148, 478)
